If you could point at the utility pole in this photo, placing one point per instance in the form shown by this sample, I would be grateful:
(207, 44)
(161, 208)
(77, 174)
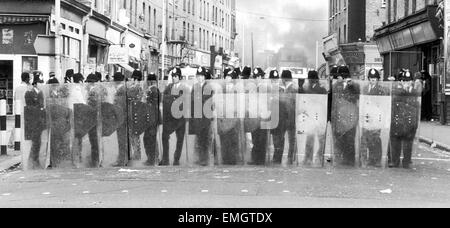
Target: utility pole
(253, 59)
(317, 55)
(243, 45)
(58, 71)
(163, 45)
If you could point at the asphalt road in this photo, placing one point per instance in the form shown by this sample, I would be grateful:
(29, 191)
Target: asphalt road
(426, 185)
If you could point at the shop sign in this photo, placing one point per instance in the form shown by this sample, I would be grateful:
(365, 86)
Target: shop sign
(118, 55)
(7, 36)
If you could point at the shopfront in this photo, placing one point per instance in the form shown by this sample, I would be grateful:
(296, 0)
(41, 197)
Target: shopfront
(415, 43)
(97, 46)
(17, 53)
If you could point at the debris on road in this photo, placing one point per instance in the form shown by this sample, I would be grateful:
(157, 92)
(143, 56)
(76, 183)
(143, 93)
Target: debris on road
(386, 191)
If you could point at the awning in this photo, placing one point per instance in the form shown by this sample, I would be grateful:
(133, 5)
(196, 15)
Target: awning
(17, 20)
(99, 40)
(126, 67)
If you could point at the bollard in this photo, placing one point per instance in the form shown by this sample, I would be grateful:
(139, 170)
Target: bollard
(18, 127)
(4, 140)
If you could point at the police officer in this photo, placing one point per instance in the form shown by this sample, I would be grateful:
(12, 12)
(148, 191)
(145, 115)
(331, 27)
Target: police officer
(314, 87)
(60, 116)
(286, 124)
(199, 124)
(229, 127)
(137, 114)
(172, 124)
(345, 120)
(35, 118)
(154, 118)
(405, 119)
(371, 143)
(259, 136)
(85, 118)
(120, 100)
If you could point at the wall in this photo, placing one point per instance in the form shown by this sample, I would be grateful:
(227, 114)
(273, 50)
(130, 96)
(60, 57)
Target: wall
(376, 14)
(26, 6)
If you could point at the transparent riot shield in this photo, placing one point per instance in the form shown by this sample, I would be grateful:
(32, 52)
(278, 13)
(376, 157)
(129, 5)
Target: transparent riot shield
(282, 140)
(257, 121)
(405, 122)
(29, 102)
(176, 103)
(344, 121)
(230, 111)
(311, 122)
(83, 100)
(137, 114)
(202, 122)
(60, 125)
(374, 122)
(143, 121)
(113, 142)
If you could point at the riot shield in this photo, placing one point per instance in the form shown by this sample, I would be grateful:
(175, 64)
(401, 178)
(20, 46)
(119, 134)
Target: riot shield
(175, 108)
(202, 122)
(344, 121)
(374, 123)
(230, 110)
(311, 122)
(113, 142)
(282, 141)
(257, 121)
(29, 104)
(60, 125)
(143, 118)
(83, 100)
(405, 122)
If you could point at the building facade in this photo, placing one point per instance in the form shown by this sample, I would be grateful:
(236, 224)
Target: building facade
(198, 32)
(350, 37)
(412, 39)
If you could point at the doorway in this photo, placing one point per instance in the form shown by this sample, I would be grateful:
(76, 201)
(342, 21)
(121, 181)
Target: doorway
(6, 84)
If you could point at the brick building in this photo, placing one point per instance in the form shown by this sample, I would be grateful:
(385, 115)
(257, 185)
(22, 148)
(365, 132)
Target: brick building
(350, 37)
(412, 39)
(200, 30)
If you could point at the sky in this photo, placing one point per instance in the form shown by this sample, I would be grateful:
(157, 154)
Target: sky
(270, 22)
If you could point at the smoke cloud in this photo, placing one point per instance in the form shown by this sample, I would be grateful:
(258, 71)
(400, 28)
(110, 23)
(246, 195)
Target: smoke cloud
(295, 39)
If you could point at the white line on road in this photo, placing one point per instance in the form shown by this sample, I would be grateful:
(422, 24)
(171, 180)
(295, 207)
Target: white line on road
(6, 194)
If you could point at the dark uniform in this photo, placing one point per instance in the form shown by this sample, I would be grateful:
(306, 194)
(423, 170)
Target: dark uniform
(60, 126)
(345, 120)
(35, 122)
(259, 136)
(154, 118)
(172, 124)
(405, 121)
(286, 122)
(120, 100)
(230, 129)
(371, 142)
(85, 122)
(199, 124)
(314, 88)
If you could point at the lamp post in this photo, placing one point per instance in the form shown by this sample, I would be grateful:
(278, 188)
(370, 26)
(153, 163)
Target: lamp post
(58, 71)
